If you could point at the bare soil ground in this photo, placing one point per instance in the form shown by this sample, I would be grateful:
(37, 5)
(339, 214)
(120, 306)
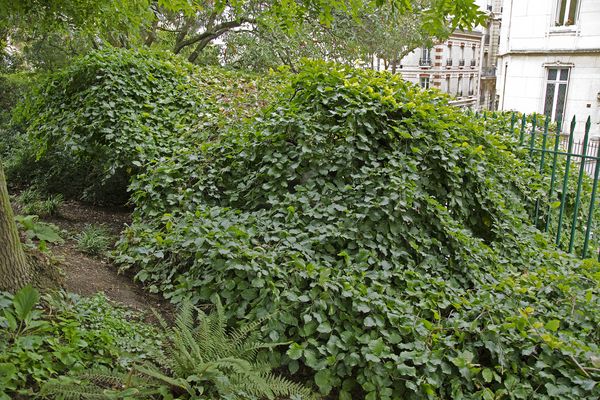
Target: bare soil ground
(87, 275)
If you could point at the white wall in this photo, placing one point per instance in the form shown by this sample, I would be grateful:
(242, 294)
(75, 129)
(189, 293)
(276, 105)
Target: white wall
(530, 43)
(531, 25)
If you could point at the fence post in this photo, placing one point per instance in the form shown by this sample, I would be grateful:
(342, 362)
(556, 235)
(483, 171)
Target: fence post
(592, 204)
(532, 140)
(542, 158)
(579, 183)
(522, 133)
(553, 179)
(565, 183)
(512, 124)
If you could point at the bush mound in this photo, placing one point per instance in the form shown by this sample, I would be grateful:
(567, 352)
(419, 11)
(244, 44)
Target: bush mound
(92, 125)
(387, 235)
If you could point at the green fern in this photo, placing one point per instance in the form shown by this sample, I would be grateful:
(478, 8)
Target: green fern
(101, 384)
(206, 359)
(201, 360)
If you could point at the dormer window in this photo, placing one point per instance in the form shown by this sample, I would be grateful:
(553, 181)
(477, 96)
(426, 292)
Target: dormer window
(566, 12)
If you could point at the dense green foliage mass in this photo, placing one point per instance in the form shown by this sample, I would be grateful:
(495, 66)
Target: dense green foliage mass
(13, 88)
(386, 234)
(68, 334)
(390, 235)
(90, 126)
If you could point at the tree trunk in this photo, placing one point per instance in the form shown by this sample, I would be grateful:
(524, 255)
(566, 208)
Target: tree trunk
(14, 270)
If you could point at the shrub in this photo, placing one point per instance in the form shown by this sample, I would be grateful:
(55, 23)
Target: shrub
(13, 88)
(94, 240)
(389, 231)
(93, 124)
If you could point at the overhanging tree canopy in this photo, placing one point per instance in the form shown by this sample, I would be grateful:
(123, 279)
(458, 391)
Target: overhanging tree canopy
(189, 26)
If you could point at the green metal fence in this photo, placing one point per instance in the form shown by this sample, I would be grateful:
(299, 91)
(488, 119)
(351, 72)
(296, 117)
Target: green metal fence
(579, 159)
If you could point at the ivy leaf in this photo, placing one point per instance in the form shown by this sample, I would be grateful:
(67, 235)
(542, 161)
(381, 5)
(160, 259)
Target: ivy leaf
(295, 351)
(487, 374)
(552, 325)
(323, 381)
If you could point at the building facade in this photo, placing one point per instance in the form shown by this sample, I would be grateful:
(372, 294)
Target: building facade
(491, 43)
(464, 66)
(452, 66)
(549, 60)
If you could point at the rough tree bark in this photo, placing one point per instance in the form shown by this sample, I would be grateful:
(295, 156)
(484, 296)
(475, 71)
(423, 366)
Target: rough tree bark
(14, 269)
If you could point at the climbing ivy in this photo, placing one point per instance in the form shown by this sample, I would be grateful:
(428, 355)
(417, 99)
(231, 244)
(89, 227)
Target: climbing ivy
(89, 127)
(387, 235)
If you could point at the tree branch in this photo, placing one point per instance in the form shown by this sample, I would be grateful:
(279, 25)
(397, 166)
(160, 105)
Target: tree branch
(213, 33)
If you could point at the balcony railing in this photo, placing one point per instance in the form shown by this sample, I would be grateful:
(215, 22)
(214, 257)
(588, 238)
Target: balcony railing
(488, 71)
(461, 63)
(425, 62)
(472, 63)
(449, 62)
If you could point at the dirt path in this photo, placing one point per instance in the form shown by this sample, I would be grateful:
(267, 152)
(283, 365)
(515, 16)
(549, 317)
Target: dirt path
(87, 275)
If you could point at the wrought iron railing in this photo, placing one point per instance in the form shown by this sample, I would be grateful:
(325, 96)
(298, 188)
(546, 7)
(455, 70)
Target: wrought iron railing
(563, 209)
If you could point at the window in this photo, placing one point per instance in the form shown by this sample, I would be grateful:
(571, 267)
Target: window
(425, 56)
(556, 93)
(426, 53)
(461, 61)
(471, 91)
(424, 82)
(566, 12)
(447, 84)
(459, 87)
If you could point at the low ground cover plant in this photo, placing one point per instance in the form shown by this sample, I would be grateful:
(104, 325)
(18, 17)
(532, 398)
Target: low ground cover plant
(37, 234)
(94, 240)
(34, 203)
(392, 234)
(67, 333)
(202, 359)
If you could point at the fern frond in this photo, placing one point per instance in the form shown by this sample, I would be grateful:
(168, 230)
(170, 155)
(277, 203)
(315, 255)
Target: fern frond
(240, 335)
(283, 387)
(250, 350)
(155, 373)
(104, 379)
(72, 391)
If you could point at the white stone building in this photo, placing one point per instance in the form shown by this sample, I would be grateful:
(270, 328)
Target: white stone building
(491, 42)
(549, 59)
(452, 66)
